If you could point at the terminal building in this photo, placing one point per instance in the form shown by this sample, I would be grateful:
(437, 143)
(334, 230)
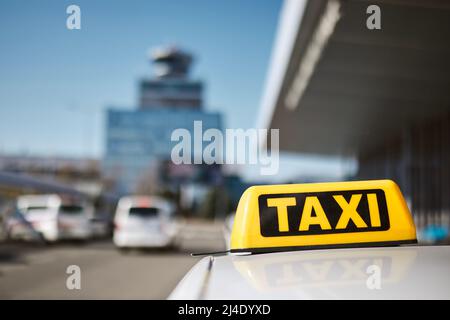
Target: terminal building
(138, 141)
(380, 96)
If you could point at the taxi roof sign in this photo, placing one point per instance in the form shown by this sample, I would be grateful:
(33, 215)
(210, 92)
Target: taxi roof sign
(321, 215)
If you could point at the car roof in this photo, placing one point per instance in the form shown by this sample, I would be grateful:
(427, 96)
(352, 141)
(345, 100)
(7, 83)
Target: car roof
(137, 201)
(406, 272)
(39, 199)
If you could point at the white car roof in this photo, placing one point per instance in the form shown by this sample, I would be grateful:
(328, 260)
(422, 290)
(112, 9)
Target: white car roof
(407, 272)
(135, 201)
(40, 199)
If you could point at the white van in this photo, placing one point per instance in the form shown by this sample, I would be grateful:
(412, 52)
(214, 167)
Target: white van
(143, 221)
(57, 217)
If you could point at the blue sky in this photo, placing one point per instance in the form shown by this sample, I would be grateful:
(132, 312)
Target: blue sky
(55, 83)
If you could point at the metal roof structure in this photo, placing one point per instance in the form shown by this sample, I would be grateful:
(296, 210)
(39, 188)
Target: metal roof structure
(335, 87)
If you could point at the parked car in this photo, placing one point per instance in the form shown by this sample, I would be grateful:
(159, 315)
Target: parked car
(57, 217)
(143, 221)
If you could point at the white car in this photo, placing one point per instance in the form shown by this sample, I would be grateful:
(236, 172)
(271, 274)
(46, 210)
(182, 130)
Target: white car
(57, 217)
(346, 240)
(144, 221)
(409, 272)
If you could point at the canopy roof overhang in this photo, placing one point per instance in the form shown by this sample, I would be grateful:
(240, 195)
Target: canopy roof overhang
(337, 88)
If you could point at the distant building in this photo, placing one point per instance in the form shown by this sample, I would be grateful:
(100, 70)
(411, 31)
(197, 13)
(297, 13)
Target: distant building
(171, 88)
(138, 142)
(81, 173)
(23, 174)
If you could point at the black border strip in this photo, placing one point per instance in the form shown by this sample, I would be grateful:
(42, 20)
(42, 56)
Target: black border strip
(326, 246)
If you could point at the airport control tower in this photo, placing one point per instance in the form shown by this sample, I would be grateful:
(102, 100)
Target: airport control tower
(171, 86)
(138, 141)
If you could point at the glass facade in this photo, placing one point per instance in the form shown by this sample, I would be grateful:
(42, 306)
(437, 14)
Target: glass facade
(171, 93)
(137, 139)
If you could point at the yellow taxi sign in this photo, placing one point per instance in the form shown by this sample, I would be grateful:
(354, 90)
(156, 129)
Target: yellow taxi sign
(321, 215)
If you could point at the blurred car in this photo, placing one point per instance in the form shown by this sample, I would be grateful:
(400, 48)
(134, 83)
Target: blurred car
(434, 234)
(56, 217)
(100, 226)
(18, 228)
(143, 221)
